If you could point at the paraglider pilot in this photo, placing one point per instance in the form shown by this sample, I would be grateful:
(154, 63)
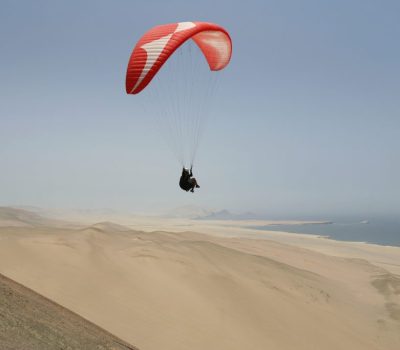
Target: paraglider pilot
(187, 182)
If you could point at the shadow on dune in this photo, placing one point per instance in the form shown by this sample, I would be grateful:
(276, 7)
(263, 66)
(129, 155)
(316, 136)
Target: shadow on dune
(31, 321)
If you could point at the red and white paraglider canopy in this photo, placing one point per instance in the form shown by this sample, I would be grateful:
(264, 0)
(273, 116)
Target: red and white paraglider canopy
(159, 43)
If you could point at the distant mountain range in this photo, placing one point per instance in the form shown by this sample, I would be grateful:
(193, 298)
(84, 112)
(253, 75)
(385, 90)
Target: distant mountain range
(227, 215)
(188, 212)
(198, 213)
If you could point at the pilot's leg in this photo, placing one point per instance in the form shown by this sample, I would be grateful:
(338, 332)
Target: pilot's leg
(195, 183)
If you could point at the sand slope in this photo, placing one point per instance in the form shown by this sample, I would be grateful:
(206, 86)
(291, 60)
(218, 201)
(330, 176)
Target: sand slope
(18, 217)
(30, 321)
(192, 291)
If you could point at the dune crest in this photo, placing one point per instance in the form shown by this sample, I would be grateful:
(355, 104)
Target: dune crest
(107, 226)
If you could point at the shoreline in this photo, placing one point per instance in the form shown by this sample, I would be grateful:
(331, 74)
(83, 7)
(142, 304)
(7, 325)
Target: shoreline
(379, 232)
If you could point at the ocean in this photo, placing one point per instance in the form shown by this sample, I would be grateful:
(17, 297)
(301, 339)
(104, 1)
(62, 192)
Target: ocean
(378, 231)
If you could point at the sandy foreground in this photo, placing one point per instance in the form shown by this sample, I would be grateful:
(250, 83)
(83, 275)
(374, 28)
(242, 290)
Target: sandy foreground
(158, 284)
(30, 321)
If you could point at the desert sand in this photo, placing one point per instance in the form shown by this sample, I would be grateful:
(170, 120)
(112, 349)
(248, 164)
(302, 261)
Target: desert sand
(162, 283)
(30, 321)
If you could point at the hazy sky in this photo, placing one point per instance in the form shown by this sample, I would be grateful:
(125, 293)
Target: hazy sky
(308, 119)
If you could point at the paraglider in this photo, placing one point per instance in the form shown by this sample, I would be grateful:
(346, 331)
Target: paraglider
(180, 94)
(187, 182)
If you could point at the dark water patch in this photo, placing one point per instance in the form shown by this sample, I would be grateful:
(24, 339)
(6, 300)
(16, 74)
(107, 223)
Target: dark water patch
(383, 232)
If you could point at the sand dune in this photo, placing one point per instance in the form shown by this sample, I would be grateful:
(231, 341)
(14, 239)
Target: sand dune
(30, 321)
(18, 217)
(194, 291)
